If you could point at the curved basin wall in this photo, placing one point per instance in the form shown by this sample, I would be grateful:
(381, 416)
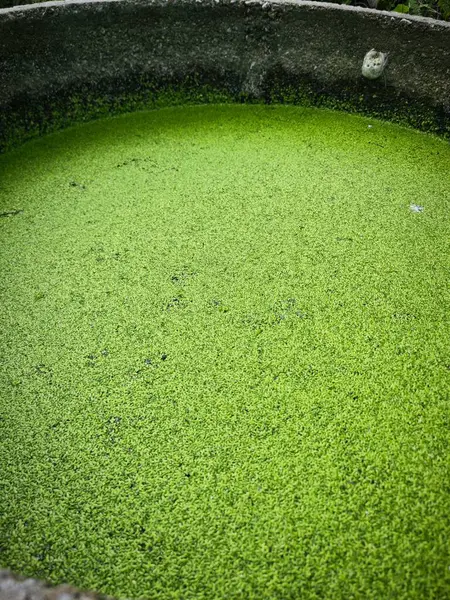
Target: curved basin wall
(72, 61)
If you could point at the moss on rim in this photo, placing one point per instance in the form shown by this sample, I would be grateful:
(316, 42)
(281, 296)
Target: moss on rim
(144, 92)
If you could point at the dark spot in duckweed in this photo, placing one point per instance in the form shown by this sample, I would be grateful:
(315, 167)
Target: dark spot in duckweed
(102, 255)
(130, 161)
(285, 309)
(178, 302)
(404, 316)
(42, 369)
(145, 164)
(149, 362)
(112, 428)
(75, 184)
(78, 298)
(91, 360)
(221, 307)
(137, 162)
(183, 276)
(11, 213)
(135, 374)
(62, 423)
(44, 552)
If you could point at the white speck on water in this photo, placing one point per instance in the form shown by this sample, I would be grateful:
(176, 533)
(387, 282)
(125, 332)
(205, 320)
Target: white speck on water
(416, 208)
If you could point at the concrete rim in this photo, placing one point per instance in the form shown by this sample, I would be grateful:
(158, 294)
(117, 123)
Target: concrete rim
(84, 65)
(329, 6)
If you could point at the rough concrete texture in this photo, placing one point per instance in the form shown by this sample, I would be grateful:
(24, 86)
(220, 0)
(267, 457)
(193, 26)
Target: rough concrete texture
(20, 588)
(66, 62)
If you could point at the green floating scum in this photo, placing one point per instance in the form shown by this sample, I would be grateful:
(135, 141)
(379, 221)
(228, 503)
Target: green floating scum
(226, 356)
(225, 335)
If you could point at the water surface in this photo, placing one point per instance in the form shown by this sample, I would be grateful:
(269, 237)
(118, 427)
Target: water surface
(226, 356)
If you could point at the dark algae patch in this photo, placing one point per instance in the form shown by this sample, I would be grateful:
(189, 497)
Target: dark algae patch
(226, 357)
(10, 213)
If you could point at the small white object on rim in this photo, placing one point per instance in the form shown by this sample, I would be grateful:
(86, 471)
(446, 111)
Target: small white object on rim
(374, 64)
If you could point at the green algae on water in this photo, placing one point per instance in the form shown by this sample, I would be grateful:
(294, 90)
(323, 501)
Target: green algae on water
(226, 358)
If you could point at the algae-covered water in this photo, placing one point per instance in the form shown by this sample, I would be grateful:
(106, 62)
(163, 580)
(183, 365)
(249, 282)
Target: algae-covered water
(226, 357)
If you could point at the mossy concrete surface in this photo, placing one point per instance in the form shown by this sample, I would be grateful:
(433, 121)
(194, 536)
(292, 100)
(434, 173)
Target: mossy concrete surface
(226, 357)
(77, 60)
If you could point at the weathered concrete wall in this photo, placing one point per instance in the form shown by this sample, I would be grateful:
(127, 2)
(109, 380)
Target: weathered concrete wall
(61, 63)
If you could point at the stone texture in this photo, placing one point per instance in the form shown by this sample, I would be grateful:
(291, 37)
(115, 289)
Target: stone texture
(20, 588)
(61, 62)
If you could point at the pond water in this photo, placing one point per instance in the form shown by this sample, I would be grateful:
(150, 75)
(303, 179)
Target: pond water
(226, 356)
